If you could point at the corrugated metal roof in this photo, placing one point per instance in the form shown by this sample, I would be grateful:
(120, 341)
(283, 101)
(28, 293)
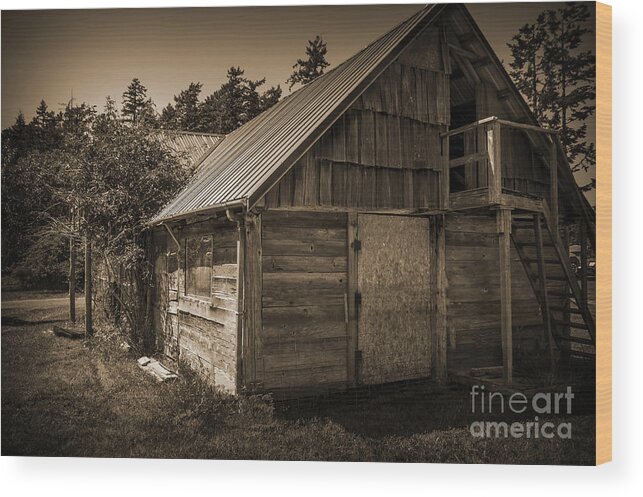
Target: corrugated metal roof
(253, 157)
(194, 145)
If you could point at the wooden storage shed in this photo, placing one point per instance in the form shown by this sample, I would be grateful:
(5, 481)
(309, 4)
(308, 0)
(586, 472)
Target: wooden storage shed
(400, 217)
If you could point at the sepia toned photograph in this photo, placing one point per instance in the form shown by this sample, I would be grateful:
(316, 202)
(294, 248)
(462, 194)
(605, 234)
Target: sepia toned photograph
(358, 233)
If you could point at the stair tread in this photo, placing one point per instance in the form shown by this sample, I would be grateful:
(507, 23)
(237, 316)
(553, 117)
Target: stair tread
(584, 341)
(572, 324)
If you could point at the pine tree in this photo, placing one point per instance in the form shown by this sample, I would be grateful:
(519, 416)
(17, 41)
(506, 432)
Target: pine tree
(107, 120)
(167, 117)
(185, 112)
(233, 94)
(558, 78)
(526, 67)
(235, 103)
(270, 97)
(137, 107)
(571, 91)
(306, 70)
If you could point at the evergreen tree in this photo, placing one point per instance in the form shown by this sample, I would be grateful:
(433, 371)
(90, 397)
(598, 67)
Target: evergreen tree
(270, 97)
(107, 120)
(210, 113)
(45, 133)
(167, 117)
(305, 70)
(232, 101)
(184, 114)
(137, 107)
(235, 103)
(557, 77)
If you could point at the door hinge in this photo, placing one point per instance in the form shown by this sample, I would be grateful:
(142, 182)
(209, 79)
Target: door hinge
(358, 299)
(357, 245)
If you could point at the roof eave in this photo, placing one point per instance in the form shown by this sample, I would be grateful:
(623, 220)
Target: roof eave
(241, 203)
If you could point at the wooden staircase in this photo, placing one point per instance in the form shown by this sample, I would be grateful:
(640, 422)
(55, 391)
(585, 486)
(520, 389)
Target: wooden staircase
(569, 324)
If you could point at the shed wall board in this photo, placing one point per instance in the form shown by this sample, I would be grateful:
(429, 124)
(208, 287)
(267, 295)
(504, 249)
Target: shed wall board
(304, 335)
(200, 332)
(473, 274)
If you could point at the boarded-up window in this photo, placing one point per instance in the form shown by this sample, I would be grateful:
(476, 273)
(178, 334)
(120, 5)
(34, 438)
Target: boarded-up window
(198, 266)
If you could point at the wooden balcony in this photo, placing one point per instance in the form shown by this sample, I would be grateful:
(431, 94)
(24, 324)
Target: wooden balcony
(493, 162)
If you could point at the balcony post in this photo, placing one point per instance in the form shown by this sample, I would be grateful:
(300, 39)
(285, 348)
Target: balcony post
(494, 169)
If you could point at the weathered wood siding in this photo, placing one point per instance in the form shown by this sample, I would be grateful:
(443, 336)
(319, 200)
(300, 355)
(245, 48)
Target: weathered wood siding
(304, 337)
(474, 295)
(384, 151)
(201, 332)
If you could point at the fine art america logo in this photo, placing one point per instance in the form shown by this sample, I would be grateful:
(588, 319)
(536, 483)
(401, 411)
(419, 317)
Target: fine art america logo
(541, 404)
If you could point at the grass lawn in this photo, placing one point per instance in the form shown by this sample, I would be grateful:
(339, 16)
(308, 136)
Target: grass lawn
(71, 398)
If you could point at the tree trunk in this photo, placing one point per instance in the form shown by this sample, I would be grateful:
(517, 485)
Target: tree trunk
(88, 287)
(72, 279)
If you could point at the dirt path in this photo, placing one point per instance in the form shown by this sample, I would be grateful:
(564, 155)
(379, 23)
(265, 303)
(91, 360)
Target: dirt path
(42, 303)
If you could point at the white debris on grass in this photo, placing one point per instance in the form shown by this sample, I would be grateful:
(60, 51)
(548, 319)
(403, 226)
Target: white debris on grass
(156, 369)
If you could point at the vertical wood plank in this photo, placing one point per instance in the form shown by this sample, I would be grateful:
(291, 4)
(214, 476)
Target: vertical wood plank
(542, 280)
(352, 323)
(367, 138)
(444, 183)
(440, 335)
(325, 183)
(311, 179)
(504, 243)
(252, 292)
(241, 336)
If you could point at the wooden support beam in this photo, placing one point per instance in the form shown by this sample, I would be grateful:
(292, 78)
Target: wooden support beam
(553, 180)
(504, 94)
(542, 277)
(351, 318)
(445, 172)
(463, 52)
(242, 338)
(583, 262)
(440, 332)
(467, 68)
(480, 62)
(503, 217)
(494, 169)
(252, 278)
(444, 46)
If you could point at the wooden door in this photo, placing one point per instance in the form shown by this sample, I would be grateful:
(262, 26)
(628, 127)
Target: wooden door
(394, 286)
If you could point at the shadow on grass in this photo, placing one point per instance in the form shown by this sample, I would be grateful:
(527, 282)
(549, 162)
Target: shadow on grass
(409, 409)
